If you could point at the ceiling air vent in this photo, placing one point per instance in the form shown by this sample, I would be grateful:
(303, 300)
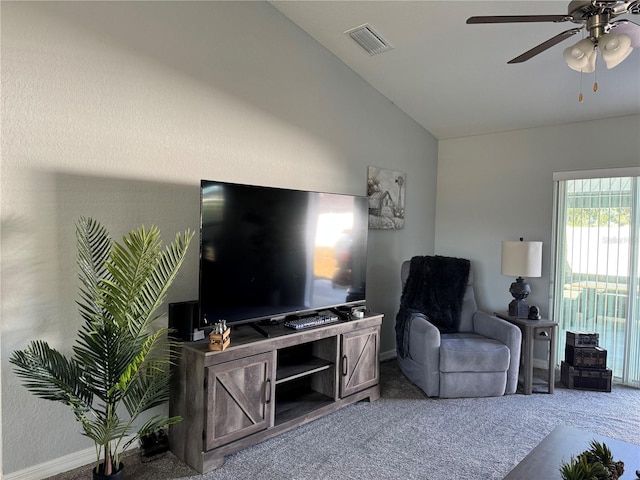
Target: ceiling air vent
(369, 39)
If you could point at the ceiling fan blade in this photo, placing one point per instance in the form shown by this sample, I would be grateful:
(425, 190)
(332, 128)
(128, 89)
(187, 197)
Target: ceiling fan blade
(630, 28)
(545, 45)
(518, 18)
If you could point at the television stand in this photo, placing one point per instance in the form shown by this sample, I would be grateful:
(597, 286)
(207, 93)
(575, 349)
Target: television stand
(260, 387)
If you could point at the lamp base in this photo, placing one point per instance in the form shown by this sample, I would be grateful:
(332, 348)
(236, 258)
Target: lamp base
(518, 309)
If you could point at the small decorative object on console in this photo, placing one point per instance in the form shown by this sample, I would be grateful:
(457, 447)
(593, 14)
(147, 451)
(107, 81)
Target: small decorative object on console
(219, 338)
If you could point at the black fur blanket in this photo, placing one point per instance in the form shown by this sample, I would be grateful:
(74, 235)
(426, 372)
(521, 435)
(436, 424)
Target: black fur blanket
(434, 289)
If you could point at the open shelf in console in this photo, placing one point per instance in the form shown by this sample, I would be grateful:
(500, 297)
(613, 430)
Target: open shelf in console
(308, 366)
(305, 378)
(297, 398)
(305, 359)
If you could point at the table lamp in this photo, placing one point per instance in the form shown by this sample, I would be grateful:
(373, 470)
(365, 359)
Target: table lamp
(521, 259)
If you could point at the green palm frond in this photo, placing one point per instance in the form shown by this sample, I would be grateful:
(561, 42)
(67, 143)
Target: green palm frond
(142, 273)
(48, 374)
(105, 430)
(131, 265)
(94, 247)
(132, 370)
(150, 390)
(106, 351)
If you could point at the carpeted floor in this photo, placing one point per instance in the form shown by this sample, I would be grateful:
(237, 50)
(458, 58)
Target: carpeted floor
(406, 435)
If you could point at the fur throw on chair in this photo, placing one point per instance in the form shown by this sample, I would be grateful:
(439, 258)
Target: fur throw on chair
(434, 289)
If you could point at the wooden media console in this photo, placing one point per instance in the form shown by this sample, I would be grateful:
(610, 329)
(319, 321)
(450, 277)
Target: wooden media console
(260, 387)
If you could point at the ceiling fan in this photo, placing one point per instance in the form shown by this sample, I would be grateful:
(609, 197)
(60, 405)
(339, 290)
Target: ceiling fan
(615, 38)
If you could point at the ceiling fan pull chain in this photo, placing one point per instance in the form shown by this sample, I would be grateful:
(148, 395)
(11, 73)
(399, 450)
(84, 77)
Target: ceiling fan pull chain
(595, 77)
(580, 97)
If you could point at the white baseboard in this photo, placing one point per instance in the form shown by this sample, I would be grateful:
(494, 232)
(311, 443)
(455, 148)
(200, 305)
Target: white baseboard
(57, 465)
(388, 355)
(54, 467)
(540, 363)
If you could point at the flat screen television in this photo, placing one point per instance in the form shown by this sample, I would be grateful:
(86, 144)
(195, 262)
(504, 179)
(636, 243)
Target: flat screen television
(267, 253)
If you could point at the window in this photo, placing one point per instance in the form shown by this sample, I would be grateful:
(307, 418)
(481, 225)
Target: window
(596, 270)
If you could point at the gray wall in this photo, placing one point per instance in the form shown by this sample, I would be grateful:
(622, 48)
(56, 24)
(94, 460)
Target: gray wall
(118, 109)
(500, 187)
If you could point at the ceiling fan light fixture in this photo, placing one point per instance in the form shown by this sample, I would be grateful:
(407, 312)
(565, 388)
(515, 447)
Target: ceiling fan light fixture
(581, 57)
(615, 47)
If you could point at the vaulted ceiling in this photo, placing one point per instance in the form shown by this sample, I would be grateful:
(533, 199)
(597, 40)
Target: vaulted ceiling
(453, 78)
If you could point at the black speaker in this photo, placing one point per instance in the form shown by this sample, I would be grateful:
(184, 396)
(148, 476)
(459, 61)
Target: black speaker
(184, 321)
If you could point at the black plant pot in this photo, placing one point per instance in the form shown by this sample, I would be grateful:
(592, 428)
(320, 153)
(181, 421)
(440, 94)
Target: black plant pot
(117, 475)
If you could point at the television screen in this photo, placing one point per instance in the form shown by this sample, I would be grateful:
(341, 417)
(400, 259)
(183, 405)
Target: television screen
(270, 252)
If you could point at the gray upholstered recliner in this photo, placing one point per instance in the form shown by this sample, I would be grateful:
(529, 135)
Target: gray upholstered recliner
(481, 360)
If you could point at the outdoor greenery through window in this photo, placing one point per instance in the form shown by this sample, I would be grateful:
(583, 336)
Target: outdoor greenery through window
(597, 265)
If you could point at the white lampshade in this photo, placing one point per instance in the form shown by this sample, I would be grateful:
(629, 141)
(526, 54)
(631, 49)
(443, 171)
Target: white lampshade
(582, 56)
(615, 47)
(522, 259)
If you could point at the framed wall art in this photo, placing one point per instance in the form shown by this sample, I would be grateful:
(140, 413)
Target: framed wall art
(386, 190)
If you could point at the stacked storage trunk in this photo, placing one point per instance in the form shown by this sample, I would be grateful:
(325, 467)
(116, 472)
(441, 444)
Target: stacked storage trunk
(585, 363)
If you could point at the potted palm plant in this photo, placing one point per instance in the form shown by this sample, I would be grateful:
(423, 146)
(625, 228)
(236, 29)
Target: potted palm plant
(120, 363)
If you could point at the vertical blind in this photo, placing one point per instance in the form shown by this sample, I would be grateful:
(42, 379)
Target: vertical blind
(595, 285)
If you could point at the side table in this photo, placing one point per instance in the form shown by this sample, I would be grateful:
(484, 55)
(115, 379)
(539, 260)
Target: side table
(532, 331)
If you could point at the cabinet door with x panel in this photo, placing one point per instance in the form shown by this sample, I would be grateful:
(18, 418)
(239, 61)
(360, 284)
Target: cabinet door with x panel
(359, 362)
(238, 399)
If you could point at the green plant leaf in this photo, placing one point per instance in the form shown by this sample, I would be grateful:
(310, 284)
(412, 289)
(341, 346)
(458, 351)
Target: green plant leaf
(48, 374)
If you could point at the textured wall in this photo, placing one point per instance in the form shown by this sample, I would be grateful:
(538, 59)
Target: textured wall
(118, 109)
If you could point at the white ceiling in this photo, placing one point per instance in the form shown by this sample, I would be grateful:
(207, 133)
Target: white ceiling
(453, 78)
